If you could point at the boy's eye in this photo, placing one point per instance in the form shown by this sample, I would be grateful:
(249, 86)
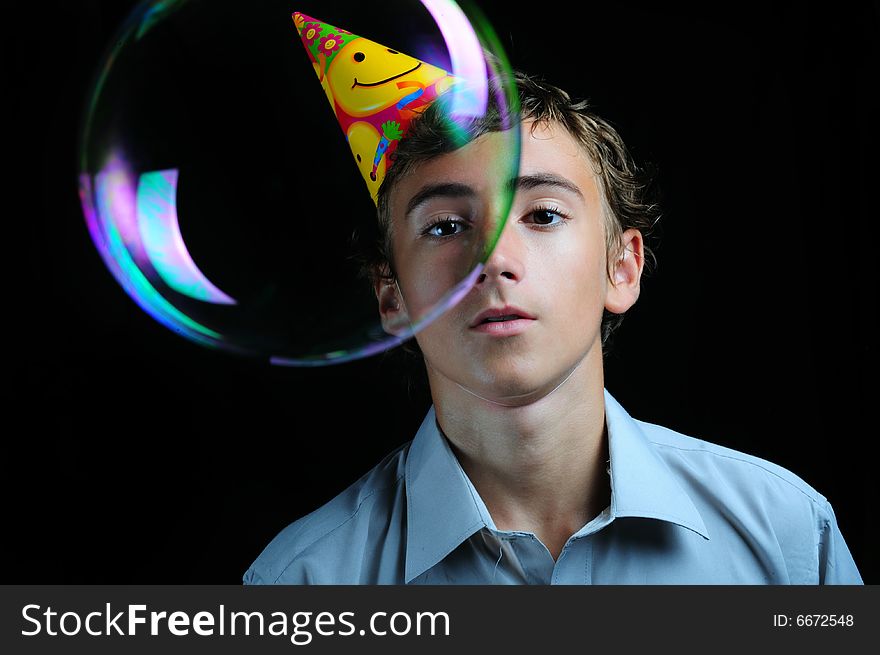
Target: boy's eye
(545, 217)
(445, 228)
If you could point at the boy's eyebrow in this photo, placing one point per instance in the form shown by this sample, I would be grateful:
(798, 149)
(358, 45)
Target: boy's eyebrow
(444, 189)
(527, 182)
(459, 190)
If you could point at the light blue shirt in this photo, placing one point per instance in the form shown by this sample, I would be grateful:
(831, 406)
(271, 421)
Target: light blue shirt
(683, 511)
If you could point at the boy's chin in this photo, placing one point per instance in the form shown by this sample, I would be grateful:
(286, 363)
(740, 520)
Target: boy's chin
(517, 391)
(509, 383)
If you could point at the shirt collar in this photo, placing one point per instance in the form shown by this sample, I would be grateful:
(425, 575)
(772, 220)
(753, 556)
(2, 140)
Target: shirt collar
(440, 509)
(642, 485)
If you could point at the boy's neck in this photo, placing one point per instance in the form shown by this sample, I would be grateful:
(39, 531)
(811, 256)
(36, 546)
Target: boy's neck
(539, 467)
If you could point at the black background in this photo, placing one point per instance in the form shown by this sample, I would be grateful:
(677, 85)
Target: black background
(134, 456)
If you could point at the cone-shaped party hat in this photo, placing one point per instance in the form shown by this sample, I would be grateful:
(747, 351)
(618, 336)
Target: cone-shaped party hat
(375, 91)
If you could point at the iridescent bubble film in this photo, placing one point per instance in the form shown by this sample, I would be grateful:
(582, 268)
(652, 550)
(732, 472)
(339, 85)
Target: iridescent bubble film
(231, 155)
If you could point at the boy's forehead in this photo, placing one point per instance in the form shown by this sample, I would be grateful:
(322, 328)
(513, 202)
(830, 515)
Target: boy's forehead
(547, 150)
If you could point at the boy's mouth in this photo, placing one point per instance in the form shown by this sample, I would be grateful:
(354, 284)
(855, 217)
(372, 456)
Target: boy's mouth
(501, 315)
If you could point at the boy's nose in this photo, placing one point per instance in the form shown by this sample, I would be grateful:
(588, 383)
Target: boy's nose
(505, 264)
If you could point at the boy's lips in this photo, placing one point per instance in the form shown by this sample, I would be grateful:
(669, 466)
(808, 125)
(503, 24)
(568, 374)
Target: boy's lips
(501, 315)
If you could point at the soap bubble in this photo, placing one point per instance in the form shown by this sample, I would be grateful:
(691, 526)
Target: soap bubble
(231, 201)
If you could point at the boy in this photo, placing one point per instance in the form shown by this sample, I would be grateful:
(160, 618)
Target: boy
(525, 470)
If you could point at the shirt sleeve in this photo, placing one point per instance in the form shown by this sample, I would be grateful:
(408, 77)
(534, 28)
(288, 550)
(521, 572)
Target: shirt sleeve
(252, 577)
(836, 564)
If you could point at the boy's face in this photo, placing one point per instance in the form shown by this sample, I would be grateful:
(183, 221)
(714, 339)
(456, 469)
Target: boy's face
(546, 278)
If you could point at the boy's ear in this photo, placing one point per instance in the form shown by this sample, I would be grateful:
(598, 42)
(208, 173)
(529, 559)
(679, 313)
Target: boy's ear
(392, 309)
(626, 273)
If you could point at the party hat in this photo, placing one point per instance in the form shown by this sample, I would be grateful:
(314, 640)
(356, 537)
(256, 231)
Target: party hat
(375, 91)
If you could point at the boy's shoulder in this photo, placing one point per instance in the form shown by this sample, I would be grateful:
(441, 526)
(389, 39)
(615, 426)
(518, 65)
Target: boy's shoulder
(330, 533)
(692, 457)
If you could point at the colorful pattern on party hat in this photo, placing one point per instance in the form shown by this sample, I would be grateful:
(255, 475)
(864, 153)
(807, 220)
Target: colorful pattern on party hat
(375, 91)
